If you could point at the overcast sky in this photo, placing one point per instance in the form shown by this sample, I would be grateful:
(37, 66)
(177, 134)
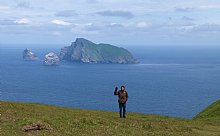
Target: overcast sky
(120, 22)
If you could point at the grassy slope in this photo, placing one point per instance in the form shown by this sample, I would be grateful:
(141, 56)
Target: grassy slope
(210, 114)
(68, 121)
(98, 51)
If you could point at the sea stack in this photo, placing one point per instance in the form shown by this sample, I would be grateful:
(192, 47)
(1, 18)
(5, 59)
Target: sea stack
(51, 59)
(85, 51)
(28, 55)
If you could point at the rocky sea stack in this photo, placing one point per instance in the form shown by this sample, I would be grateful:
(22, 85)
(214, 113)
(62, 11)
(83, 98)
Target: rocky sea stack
(85, 51)
(28, 55)
(51, 59)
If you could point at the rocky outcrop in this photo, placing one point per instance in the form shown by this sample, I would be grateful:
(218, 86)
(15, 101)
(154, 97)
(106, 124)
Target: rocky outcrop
(28, 55)
(34, 127)
(51, 59)
(85, 51)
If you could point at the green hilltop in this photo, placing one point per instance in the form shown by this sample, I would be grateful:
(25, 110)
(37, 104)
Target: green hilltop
(210, 114)
(58, 121)
(85, 51)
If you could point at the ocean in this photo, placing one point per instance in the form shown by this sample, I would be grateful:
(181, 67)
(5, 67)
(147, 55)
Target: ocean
(171, 81)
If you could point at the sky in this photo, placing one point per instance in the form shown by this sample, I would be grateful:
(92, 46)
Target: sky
(119, 22)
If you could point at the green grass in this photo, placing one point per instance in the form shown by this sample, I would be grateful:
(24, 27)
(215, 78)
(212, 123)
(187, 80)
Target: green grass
(104, 51)
(211, 114)
(61, 121)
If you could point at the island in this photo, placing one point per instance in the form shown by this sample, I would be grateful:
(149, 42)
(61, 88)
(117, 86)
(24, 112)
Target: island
(51, 59)
(28, 55)
(85, 51)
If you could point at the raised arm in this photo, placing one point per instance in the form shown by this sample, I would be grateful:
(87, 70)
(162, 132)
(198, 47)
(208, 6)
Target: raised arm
(116, 91)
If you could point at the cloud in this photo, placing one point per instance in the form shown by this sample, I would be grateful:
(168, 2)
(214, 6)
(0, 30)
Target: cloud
(207, 7)
(116, 13)
(56, 33)
(183, 9)
(61, 22)
(28, 5)
(202, 28)
(22, 21)
(207, 28)
(115, 25)
(24, 4)
(87, 27)
(91, 27)
(109, 18)
(187, 18)
(98, 27)
(66, 13)
(184, 21)
(143, 25)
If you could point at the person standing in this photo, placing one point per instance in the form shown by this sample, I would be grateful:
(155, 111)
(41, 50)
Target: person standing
(122, 99)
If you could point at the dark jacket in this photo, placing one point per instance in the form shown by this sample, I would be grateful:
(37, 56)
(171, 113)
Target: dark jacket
(122, 96)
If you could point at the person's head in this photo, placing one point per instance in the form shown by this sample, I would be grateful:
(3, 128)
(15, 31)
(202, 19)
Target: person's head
(122, 88)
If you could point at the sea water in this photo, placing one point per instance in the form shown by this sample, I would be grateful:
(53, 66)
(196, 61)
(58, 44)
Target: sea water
(172, 81)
